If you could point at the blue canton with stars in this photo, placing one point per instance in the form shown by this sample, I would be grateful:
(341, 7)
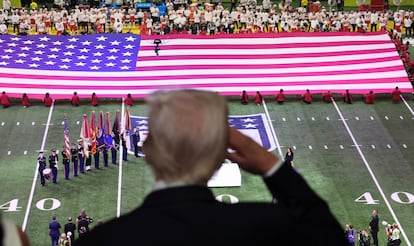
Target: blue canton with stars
(253, 126)
(94, 52)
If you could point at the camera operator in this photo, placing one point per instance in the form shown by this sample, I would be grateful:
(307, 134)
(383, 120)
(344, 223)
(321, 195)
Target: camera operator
(393, 234)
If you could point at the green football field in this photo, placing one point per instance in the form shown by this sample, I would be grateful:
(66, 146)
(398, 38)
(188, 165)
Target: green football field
(357, 157)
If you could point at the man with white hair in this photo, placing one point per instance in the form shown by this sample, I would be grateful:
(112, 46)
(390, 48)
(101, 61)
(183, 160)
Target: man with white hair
(189, 138)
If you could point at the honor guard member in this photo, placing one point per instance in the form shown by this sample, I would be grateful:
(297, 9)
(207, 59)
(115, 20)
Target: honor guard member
(81, 157)
(75, 159)
(102, 147)
(124, 148)
(53, 164)
(42, 166)
(66, 163)
(114, 147)
(88, 159)
(135, 141)
(96, 158)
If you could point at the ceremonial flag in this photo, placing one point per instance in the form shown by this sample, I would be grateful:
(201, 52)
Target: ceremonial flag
(84, 135)
(107, 130)
(127, 129)
(66, 135)
(100, 133)
(225, 63)
(92, 133)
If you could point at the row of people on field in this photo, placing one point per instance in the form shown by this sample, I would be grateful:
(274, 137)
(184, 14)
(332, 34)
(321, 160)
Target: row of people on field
(70, 229)
(48, 100)
(79, 158)
(244, 98)
(307, 97)
(243, 18)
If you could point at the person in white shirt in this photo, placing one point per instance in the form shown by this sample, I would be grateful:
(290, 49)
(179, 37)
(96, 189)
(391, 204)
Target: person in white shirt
(3, 28)
(118, 26)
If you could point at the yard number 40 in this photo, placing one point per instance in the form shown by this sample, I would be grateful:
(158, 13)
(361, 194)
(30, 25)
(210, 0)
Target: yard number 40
(45, 204)
(399, 196)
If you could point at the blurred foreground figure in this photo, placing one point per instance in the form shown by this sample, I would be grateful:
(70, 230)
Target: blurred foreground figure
(11, 234)
(188, 140)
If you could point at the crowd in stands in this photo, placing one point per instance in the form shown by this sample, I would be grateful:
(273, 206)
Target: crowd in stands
(195, 18)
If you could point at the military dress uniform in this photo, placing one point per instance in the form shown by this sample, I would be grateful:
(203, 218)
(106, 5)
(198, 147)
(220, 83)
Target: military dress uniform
(42, 166)
(66, 164)
(75, 160)
(53, 164)
(81, 157)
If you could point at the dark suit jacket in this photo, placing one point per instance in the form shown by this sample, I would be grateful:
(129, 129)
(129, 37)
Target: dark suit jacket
(190, 215)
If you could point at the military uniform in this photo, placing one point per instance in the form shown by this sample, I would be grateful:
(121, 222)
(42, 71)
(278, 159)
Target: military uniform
(53, 164)
(42, 166)
(66, 163)
(75, 160)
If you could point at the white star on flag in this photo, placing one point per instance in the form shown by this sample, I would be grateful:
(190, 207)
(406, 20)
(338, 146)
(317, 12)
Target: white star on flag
(102, 38)
(80, 64)
(116, 42)
(130, 38)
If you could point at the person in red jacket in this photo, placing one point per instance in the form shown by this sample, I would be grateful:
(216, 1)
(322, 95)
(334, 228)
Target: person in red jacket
(258, 99)
(129, 100)
(75, 99)
(347, 97)
(47, 100)
(280, 97)
(396, 95)
(25, 100)
(4, 100)
(307, 97)
(327, 97)
(370, 98)
(244, 98)
(94, 100)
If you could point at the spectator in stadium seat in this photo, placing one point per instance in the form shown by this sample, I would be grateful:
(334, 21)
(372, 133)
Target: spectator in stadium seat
(75, 99)
(370, 98)
(396, 95)
(4, 100)
(258, 98)
(244, 98)
(280, 97)
(327, 97)
(307, 97)
(129, 100)
(347, 97)
(183, 155)
(25, 100)
(94, 100)
(47, 100)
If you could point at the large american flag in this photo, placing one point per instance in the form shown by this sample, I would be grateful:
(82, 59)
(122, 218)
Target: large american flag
(112, 65)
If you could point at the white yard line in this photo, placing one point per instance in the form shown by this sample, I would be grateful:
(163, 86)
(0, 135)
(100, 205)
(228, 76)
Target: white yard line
(118, 206)
(374, 178)
(272, 129)
(29, 203)
(408, 105)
